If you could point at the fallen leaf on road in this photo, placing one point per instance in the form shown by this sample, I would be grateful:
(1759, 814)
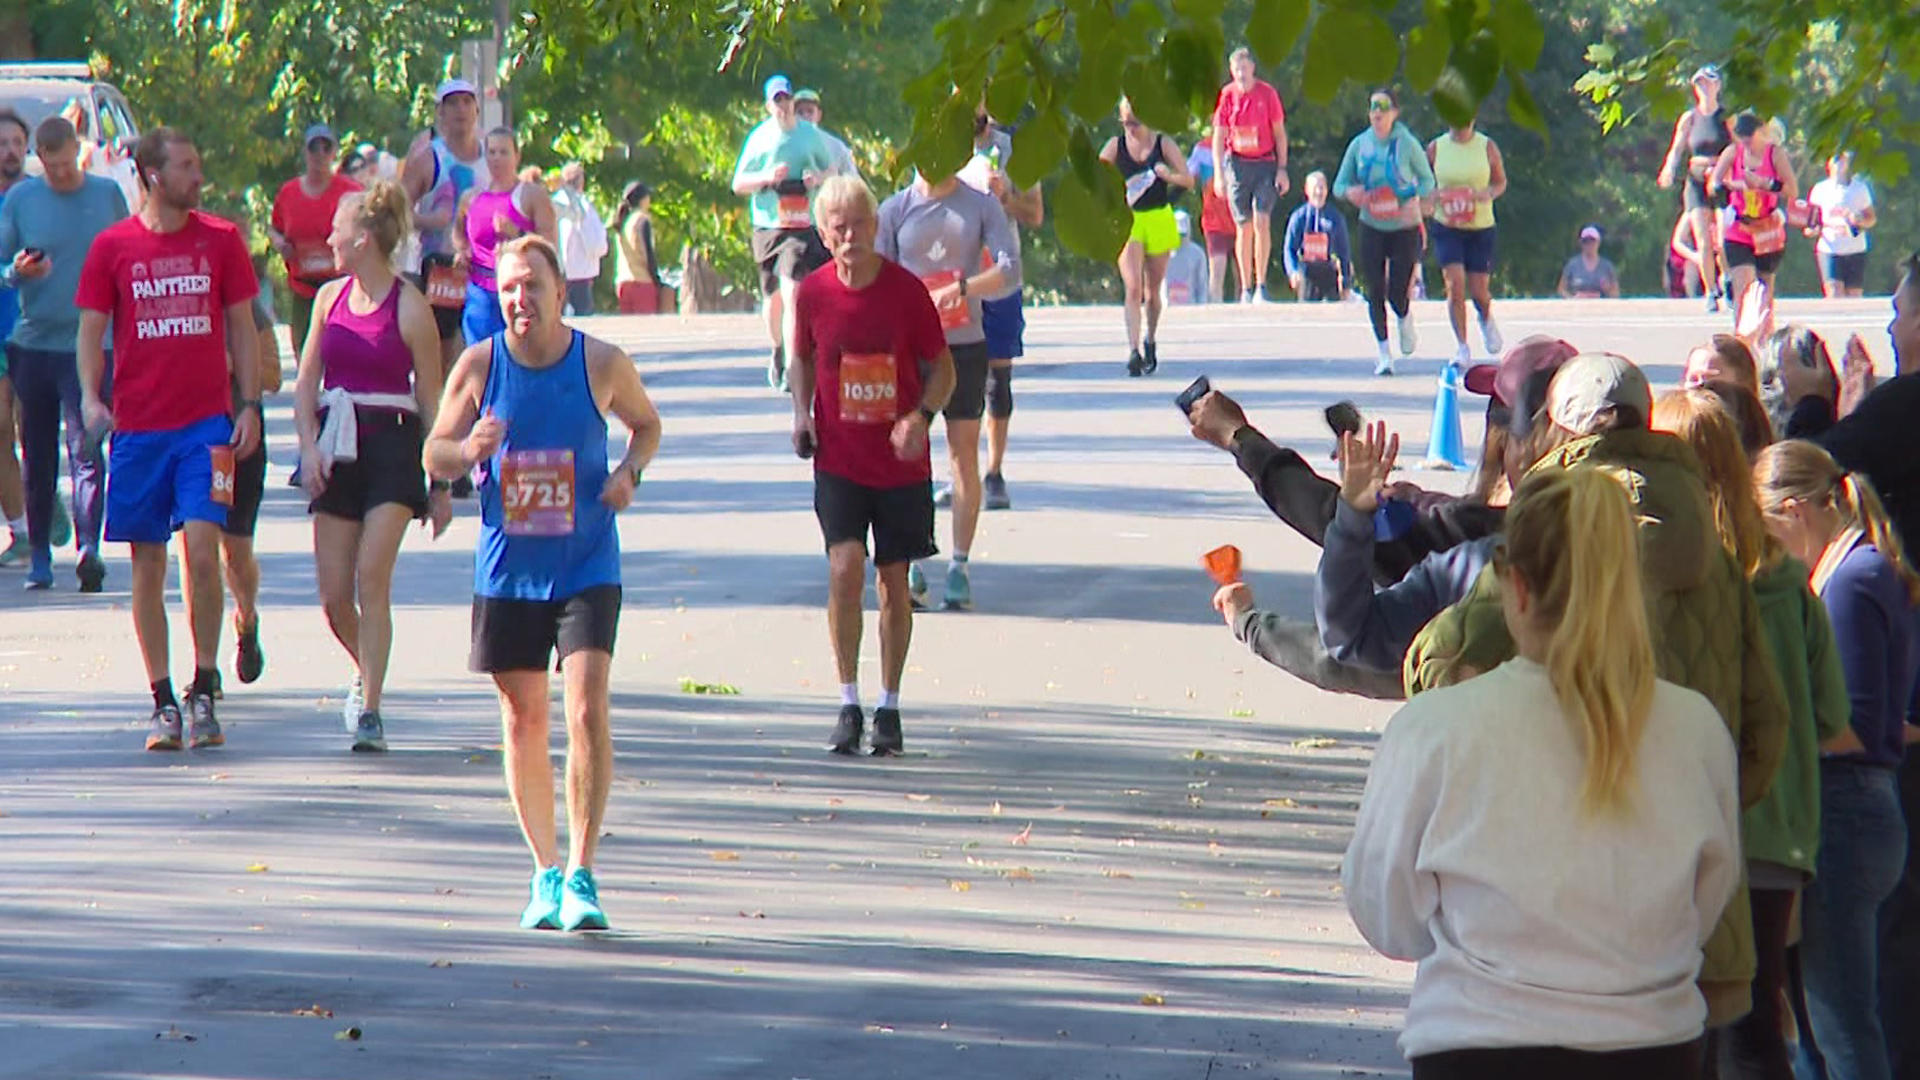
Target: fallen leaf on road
(879, 1029)
(1020, 838)
(911, 797)
(995, 809)
(1240, 714)
(1152, 999)
(1110, 872)
(220, 776)
(176, 1034)
(690, 686)
(724, 856)
(959, 886)
(1318, 742)
(1198, 755)
(1289, 803)
(351, 1034)
(315, 1011)
(753, 914)
(1019, 873)
(1215, 849)
(441, 963)
(257, 868)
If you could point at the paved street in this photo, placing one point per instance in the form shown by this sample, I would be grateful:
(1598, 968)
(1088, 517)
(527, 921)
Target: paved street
(1112, 850)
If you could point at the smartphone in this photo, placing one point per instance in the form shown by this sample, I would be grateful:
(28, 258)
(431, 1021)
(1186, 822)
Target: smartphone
(1200, 388)
(35, 254)
(1344, 418)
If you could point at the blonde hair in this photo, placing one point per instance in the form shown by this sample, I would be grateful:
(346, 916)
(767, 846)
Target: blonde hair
(533, 247)
(381, 212)
(1571, 539)
(1800, 470)
(844, 191)
(1701, 420)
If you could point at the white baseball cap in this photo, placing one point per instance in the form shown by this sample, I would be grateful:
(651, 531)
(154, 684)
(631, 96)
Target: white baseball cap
(454, 86)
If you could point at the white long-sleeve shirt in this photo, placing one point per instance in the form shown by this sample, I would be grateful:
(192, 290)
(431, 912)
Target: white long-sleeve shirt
(1534, 922)
(583, 236)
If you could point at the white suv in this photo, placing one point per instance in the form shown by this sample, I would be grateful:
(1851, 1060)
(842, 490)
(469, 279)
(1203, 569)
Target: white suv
(39, 89)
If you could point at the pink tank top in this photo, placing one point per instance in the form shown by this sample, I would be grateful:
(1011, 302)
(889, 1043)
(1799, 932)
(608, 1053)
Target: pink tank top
(365, 354)
(483, 240)
(1751, 206)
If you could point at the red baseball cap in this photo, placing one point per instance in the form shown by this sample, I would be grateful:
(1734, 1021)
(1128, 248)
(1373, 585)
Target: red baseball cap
(1519, 381)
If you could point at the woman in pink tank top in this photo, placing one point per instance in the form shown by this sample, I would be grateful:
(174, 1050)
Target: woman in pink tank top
(1757, 180)
(501, 209)
(368, 389)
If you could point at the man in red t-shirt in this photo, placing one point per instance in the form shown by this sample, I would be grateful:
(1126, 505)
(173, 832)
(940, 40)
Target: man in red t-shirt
(171, 279)
(1250, 149)
(871, 370)
(301, 222)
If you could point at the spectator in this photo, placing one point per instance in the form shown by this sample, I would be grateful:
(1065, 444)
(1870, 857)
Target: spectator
(1708, 626)
(1780, 835)
(1502, 816)
(1722, 357)
(1187, 267)
(583, 237)
(1216, 218)
(303, 219)
(1832, 520)
(1315, 249)
(1588, 275)
(637, 276)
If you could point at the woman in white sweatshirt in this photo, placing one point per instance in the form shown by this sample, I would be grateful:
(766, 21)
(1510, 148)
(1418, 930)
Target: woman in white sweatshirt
(1554, 840)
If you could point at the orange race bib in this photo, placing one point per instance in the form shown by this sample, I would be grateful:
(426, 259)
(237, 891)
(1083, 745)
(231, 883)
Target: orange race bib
(1383, 203)
(313, 259)
(220, 489)
(1314, 246)
(869, 388)
(954, 317)
(793, 212)
(446, 287)
(537, 492)
(1179, 292)
(1246, 140)
(1769, 235)
(1458, 207)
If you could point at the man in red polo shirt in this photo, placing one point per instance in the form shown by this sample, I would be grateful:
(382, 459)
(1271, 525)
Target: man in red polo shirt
(171, 279)
(871, 369)
(301, 222)
(1250, 150)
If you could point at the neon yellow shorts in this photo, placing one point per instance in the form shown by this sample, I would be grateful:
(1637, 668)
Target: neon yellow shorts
(1155, 230)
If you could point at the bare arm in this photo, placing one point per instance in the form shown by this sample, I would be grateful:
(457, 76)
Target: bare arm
(92, 346)
(268, 344)
(1111, 150)
(1280, 143)
(940, 383)
(1566, 291)
(1026, 207)
(1496, 172)
(1717, 179)
(462, 247)
(418, 330)
(306, 381)
(1789, 183)
(546, 222)
(1176, 163)
(626, 398)
(445, 456)
(1669, 169)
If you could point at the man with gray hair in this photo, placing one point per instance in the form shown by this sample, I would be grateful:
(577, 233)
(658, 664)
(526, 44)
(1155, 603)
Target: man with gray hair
(583, 237)
(870, 370)
(1250, 150)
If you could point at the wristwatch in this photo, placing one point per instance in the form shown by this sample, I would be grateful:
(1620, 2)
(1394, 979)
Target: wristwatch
(963, 288)
(927, 415)
(251, 403)
(636, 471)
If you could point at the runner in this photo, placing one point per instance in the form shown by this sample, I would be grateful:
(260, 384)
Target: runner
(242, 567)
(1845, 205)
(781, 164)
(13, 164)
(1700, 137)
(1468, 175)
(368, 388)
(872, 368)
(1216, 217)
(170, 280)
(302, 217)
(503, 208)
(1315, 251)
(583, 237)
(1758, 183)
(958, 241)
(806, 105)
(1250, 145)
(1152, 166)
(529, 407)
(57, 214)
(1004, 319)
(1385, 174)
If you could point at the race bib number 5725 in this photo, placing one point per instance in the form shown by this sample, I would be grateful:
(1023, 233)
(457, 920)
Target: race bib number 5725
(537, 492)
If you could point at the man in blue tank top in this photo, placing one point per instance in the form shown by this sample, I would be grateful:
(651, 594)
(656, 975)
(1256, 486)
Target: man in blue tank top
(529, 408)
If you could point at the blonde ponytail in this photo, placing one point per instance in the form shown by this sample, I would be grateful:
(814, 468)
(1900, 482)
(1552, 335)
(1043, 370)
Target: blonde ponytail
(1800, 471)
(1572, 540)
(1858, 500)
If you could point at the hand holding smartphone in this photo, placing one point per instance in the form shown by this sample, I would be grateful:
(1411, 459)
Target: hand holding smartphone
(1198, 389)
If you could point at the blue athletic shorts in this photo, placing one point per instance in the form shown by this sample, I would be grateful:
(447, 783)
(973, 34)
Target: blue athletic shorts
(1469, 248)
(159, 480)
(1005, 324)
(481, 318)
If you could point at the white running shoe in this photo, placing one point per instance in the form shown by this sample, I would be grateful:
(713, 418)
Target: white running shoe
(1384, 366)
(1463, 356)
(1409, 338)
(1490, 337)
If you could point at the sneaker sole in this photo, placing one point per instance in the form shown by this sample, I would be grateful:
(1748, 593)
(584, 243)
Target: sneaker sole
(956, 605)
(363, 747)
(887, 751)
(209, 743)
(163, 744)
(587, 925)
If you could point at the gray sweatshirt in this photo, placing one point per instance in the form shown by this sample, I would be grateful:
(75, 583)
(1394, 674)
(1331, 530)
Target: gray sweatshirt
(946, 236)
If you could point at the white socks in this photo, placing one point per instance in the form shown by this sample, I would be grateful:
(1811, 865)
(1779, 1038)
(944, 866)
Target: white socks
(850, 693)
(889, 699)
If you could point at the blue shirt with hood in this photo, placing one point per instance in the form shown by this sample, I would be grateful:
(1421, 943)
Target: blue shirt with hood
(1399, 162)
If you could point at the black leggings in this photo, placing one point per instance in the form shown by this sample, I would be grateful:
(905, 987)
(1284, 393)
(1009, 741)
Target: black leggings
(1678, 1062)
(1387, 260)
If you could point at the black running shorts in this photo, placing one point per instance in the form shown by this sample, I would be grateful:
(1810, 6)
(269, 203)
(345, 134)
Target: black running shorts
(524, 635)
(901, 518)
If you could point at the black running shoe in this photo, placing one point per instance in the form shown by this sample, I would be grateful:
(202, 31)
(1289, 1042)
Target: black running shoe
(92, 572)
(1152, 358)
(886, 732)
(846, 732)
(249, 661)
(1136, 365)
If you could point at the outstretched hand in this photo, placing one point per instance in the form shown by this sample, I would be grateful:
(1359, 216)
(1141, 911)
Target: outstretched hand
(1366, 459)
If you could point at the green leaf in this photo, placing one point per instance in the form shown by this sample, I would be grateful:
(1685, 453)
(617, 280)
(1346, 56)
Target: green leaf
(1154, 101)
(1427, 49)
(1516, 25)
(1191, 55)
(1092, 219)
(1520, 104)
(1037, 147)
(1321, 76)
(941, 149)
(1274, 27)
(1096, 86)
(1007, 94)
(1360, 43)
(1600, 54)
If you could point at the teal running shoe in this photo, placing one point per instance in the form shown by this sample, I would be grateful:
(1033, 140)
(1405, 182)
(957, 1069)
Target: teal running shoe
(543, 904)
(580, 903)
(916, 586)
(959, 591)
(16, 553)
(369, 735)
(60, 530)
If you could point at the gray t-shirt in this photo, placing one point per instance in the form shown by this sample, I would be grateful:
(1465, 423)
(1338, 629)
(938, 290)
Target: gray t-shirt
(62, 224)
(1581, 280)
(944, 238)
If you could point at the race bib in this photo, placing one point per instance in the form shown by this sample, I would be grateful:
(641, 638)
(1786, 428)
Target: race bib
(1179, 292)
(954, 317)
(869, 388)
(1313, 246)
(1137, 185)
(1246, 140)
(1769, 235)
(1458, 207)
(220, 490)
(1383, 203)
(537, 492)
(314, 260)
(793, 212)
(446, 287)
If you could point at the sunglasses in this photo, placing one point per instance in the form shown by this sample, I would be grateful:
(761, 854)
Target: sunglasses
(1380, 104)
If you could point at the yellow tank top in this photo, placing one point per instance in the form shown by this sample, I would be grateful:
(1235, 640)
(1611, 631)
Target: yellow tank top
(1462, 165)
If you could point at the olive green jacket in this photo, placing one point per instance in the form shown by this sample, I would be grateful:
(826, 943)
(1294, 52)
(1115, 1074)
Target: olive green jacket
(1784, 827)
